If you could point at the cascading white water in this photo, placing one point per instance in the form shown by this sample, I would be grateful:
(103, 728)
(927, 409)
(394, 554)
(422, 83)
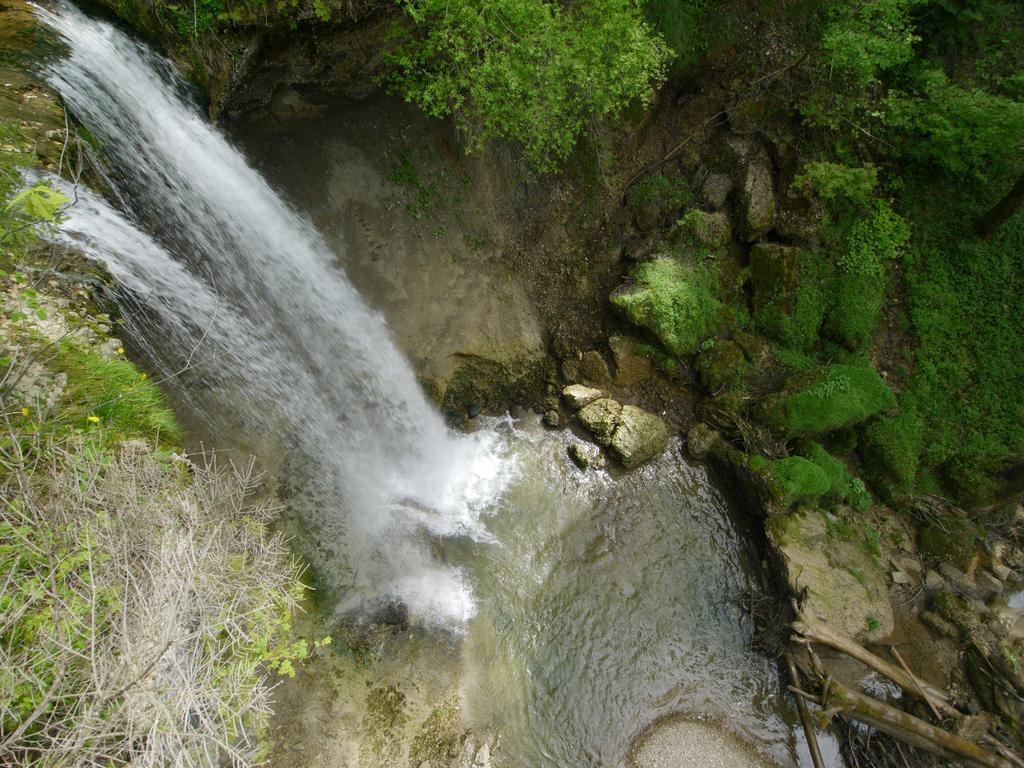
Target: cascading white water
(241, 289)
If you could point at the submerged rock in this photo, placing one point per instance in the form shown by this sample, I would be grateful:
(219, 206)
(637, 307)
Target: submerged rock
(630, 433)
(587, 456)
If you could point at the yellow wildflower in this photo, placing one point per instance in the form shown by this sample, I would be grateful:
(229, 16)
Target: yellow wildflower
(24, 411)
(94, 419)
(120, 350)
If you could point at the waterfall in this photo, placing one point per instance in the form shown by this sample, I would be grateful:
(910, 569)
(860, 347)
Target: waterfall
(227, 283)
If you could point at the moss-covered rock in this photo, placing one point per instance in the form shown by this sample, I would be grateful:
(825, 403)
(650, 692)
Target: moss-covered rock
(720, 365)
(833, 397)
(799, 481)
(890, 447)
(755, 200)
(672, 301)
(707, 230)
(949, 537)
(773, 275)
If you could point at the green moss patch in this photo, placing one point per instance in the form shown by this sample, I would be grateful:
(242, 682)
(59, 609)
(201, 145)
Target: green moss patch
(672, 301)
(837, 396)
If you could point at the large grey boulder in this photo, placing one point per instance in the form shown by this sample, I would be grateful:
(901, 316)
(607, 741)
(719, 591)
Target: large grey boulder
(839, 581)
(638, 436)
(631, 434)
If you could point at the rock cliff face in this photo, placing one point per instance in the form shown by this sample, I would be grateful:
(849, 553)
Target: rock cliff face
(272, 53)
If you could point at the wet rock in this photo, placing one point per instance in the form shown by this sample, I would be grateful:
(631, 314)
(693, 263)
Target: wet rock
(394, 613)
(483, 757)
(632, 366)
(988, 585)
(755, 201)
(719, 365)
(715, 190)
(1001, 571)
(587, 456)
(600, 418)
(1008, 623)
(939, 624)
(594, 369)
(288, 104)
(839, 581)
(900, 579)
(639, 436)
(631, 434)
(552, 419)
(960, 582)
(700, 439)
(577, 396)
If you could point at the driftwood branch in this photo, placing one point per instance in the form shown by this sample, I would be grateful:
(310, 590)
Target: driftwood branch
(837, 698)
(805, 715)
(816, 631)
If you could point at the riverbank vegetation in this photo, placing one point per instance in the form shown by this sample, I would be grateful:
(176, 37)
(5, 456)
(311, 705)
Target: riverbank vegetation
(144, 599)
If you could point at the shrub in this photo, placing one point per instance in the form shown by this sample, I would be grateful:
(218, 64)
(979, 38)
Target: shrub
(839, 184)
(672, 301)
(145, 601)
(526, 70)
(681, 24)
(837, 396)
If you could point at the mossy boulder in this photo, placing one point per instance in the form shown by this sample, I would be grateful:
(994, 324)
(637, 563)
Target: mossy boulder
(948, 537)
(798, 480)
(773, 274)
(710, 230)
(720, 365)
(831, 398)
(838, 580)
(890, 448)
(673, 301)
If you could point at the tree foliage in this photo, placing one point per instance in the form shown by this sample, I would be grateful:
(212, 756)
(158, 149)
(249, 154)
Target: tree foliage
(530, 71)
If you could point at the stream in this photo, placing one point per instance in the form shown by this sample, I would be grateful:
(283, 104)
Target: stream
(566, 610)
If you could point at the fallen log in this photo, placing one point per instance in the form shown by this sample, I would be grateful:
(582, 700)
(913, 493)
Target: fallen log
(818, 632)
(836, 698)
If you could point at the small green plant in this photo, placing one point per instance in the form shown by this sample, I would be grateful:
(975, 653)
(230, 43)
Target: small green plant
(873, 624)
